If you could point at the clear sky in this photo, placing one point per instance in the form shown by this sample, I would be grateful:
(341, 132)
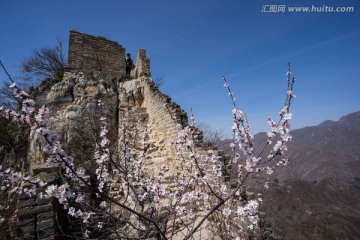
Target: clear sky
(191, 44)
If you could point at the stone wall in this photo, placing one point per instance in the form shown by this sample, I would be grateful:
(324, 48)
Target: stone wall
(74, 117)
(142, 66)
(35, 219)
(164, 115)
(89, 54)
(97, 71)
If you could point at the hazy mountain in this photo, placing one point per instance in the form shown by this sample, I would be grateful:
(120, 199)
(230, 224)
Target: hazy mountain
(328, 150)
(317, 196)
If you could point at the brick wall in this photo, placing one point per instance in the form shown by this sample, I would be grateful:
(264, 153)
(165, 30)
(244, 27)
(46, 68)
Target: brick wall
(89, 54)
(73, 101)
(34, 219)
(142, 66)
(164, 114)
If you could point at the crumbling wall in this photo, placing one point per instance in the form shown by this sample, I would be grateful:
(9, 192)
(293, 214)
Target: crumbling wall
(90, 54)
(164, 115)
(142, 66)
(34, 218)
(74, 115)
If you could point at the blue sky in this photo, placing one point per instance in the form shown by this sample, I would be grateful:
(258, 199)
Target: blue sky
(191, 44)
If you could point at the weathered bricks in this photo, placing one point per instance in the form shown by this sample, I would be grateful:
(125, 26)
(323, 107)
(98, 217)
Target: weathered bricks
(137, 99)
(89, 54)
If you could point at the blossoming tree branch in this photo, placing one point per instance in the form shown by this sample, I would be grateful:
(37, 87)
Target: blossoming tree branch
(195, 203)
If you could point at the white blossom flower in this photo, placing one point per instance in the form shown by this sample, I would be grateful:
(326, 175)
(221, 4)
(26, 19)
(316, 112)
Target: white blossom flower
(226, 212)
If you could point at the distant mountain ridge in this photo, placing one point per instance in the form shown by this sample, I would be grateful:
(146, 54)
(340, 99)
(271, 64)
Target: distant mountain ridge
(328, 150)
(318, 193)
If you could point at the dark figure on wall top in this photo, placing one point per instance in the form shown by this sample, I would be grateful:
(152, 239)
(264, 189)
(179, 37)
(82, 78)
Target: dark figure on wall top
(129, 64)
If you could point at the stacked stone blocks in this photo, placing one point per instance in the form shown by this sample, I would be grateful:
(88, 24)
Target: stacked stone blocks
(142, 66)
(89, 54)
(34, 219)
(72, 104)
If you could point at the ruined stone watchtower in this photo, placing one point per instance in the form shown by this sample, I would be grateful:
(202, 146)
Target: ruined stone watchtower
(90, 54)
(96, 70)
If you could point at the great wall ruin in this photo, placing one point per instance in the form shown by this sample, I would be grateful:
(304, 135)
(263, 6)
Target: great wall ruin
(96, 70)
